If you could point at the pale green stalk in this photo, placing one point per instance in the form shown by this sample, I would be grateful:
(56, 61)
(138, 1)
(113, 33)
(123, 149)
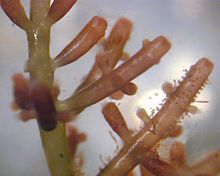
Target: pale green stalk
(40, 66)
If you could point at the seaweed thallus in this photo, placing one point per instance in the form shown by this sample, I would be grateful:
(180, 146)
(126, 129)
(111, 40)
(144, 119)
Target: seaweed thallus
(36, 96)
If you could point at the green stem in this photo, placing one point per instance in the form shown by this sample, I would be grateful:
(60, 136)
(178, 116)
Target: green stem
(39, 10)
(40, 63)
(40, 66)
(57, 151)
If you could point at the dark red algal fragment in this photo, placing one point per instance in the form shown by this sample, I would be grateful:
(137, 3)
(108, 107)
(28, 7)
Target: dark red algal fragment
(44, 105)
(21, 91)
(74, 138)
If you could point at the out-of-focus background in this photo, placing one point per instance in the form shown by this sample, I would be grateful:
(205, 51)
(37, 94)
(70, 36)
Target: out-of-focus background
(193, 28)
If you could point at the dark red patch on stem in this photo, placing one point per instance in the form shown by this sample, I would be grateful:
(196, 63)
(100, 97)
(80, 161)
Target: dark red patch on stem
(44, 105)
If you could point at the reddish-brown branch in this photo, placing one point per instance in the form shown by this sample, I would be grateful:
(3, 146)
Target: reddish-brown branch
(115, 80)
(103, 60)
(85, 40)
(156, 166)
(118, 95)
(59, 9)
(150, 160)
(129, 89)
(142, 114)
(116, 121)
(165, 119)
(117, 40)
(15, 11)
(113, 50)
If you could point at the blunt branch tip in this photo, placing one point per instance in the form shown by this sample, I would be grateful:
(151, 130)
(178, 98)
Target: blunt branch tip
(125, 22)
(163, 41)
(159, 47)
(206, 62)
(98, 19)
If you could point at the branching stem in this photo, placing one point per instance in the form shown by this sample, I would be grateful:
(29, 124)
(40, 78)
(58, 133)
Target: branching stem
(41, 68)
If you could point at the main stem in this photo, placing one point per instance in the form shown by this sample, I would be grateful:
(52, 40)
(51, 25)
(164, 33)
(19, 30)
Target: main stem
(40, 66)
